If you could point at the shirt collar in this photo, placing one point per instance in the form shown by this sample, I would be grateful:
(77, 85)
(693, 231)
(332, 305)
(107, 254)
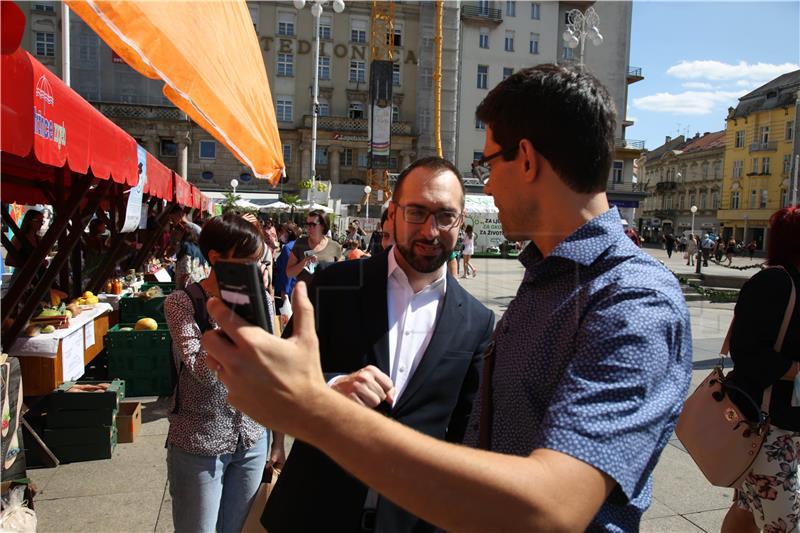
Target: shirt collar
(585, 244)
(394, 270)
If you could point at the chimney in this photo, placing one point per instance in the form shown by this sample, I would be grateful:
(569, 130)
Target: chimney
(668, 139)
(706, 133)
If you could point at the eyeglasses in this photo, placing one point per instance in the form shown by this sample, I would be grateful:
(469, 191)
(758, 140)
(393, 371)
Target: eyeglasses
(311, 224)
(419, 215)
(481, 169)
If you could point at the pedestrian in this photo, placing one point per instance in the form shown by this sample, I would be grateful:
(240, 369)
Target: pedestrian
(751, 248)
(191, 265)
(572, 417)
(682, 244)
(730, 250)
(353, 251)
(691, 249)
(313, 250)
(706, 245)
(375, 247)
(216, 455)
(25, 243)
(416, 358)
(287, 235)
(669, 244)
(768, 498)
(469, 251)
(719, 249)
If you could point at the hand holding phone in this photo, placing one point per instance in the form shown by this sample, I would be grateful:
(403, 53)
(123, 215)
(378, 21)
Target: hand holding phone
(241, 287)
(310, 261)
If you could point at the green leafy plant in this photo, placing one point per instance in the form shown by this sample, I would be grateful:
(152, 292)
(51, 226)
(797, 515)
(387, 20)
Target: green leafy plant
(322, 187)
(229, 200)
(305, 184)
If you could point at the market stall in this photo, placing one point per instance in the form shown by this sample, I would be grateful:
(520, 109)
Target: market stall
(481, 213)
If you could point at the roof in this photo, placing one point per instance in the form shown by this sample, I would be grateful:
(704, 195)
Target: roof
(709, 141)
(785, 88)
(656, 153)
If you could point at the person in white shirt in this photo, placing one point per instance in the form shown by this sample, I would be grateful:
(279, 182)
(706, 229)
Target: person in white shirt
(398, 335)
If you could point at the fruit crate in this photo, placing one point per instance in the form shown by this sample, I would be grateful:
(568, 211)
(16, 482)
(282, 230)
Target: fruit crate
(81, 444)
(132, 308)
(80, 418)
(166, 286)
(142, 358)
(61, 400)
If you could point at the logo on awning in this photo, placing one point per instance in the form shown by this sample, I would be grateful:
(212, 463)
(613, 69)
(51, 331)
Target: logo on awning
(43, 126)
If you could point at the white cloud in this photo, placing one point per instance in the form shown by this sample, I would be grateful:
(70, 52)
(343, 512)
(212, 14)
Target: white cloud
(717, 70)
(697, 85)
(687, 102)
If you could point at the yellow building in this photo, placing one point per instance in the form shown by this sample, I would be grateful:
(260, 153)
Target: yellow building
(760, 145)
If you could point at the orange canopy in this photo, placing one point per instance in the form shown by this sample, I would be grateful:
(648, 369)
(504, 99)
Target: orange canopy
(208, 56)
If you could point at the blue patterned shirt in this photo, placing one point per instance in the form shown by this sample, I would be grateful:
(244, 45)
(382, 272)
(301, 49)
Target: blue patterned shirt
(593, 359)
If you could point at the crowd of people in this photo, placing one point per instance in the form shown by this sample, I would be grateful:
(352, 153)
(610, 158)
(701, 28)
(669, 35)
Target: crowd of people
(705, 248)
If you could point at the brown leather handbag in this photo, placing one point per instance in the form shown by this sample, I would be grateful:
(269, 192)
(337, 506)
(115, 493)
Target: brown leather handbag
(713, 429)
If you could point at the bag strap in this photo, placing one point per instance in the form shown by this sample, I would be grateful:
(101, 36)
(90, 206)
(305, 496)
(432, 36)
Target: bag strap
(199, 297)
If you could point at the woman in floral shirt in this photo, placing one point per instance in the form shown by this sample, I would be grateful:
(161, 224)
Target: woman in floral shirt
(216, 455)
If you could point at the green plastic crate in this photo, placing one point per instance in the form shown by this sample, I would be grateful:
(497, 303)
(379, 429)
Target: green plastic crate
(61, 400)
(166, 286)
(75, 418)
(142, 358)
(132, 309)
(101, 448)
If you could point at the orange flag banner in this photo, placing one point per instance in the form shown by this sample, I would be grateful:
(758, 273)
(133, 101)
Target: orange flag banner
(208, 56)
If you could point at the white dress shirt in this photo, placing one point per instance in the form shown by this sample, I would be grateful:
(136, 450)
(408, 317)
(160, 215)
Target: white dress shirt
(412, 318)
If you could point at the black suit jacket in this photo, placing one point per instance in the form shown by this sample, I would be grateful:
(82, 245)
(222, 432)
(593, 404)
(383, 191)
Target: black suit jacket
(313, 493)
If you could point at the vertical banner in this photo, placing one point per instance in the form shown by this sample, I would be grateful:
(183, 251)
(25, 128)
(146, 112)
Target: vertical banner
(133, 213)
(380, 110)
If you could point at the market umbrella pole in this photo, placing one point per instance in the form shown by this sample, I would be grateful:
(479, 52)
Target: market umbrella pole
(57, 264)
(57, 228)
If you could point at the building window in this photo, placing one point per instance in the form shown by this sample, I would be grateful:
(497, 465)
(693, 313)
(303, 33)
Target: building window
(483, 8)
(254, 16)
(763, 200)
(765, 165)
(356, 110)
(507, 71)
(787, 163)
(87, 48)
(735, 200)
(363, 159)
(325, 25)
(703, 198)
(286, 24)
(396, 74)
(784, 198)
(286, 65)
(484, 38)
(533, 46)
(536, 11)
(754, 169)
(208, 149)
(324, 68)
(395, 114)
(681, 198)
(324, 109)
(358, 31)
(45, 44)
(790, 130)
(244, 177)
(167, 148)
(691, 199)
(207, 175)
(617, 171)
(398, 36)
(753, 196)
(511, 9)
(284, 109)
(717, 170)
(44, 7)
(705, 170)
(483, 76)
(567, 53)
(322, 156)
(287, 153)
(476, 155)
(358, 71)
(763, 134)
(479, 124)
(509, 42)
(668, 202)
(347, 157)
(740, 139)
(714, 199)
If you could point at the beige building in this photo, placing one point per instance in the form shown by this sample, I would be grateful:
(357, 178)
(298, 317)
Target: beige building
(680, 174)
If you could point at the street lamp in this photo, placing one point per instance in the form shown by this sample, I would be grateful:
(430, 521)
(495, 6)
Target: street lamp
(367, 191)
(580, 26)
(698, 251)
(234, 184)
(316, 12)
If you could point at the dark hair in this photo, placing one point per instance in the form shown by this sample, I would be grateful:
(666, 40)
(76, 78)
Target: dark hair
(231, 232)
(468, 231)
(321, 218)
(292, 231)
(566, 114)
(435, 163)
(27, 220)
(783, 244)
(384, 217)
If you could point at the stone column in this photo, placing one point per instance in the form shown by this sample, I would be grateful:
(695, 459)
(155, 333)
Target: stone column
(405, 158)
(305, 161)
(334, 152)
(151, 142)
(183, 140)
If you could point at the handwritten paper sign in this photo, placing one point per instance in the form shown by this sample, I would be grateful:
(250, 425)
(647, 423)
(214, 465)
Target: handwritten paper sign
(72, 355)
(88, 334)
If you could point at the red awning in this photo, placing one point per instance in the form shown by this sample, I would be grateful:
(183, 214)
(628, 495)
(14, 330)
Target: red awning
(45, 120)
(199, 199)
(183, 191)
(159, 179)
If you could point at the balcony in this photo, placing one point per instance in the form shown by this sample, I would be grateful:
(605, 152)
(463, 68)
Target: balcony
(353, 125)
(139, 111)
(480, 13)
(634, 74)
(664, 186)
(629, 144)
(771, 146)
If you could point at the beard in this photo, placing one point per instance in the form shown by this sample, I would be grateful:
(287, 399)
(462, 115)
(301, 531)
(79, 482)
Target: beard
(423, 264)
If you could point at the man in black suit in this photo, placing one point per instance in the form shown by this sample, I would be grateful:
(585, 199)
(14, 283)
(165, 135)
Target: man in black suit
(399, 335)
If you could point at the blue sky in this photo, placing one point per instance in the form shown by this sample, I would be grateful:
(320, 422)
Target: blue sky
(699, 57)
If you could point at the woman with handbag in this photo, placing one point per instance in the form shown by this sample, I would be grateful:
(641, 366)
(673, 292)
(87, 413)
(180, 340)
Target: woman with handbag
(769, 498)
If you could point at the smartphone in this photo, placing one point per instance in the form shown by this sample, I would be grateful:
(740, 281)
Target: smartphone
(241, 287)
(310, 267)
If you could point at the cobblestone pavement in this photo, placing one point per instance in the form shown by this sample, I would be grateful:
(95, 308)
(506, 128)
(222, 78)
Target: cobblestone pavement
(129, 492)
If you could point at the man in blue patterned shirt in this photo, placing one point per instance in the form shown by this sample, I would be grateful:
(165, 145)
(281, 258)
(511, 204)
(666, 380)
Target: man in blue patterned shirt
(591, 360)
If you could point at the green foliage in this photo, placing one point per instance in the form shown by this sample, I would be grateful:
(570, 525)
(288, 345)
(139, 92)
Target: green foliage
(305, 184)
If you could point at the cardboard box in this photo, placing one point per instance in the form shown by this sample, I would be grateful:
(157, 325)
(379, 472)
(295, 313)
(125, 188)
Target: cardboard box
(129, 421)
